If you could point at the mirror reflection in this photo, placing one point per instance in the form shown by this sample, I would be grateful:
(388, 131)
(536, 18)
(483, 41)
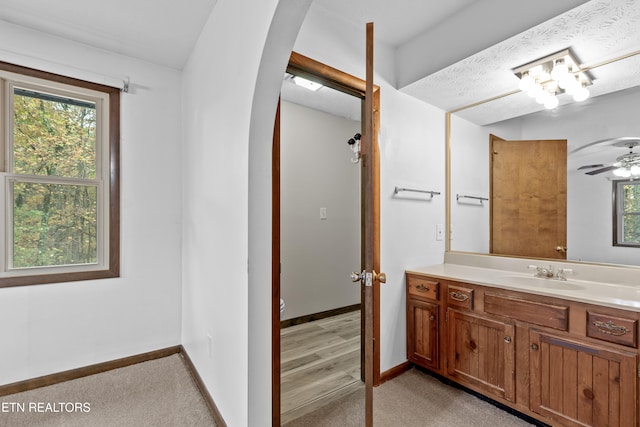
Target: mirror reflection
(597, 133)
(515, 93)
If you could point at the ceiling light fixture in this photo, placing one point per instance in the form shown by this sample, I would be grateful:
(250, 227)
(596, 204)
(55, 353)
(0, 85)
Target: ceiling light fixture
(546, 78)
(628, 165)
(307, 84)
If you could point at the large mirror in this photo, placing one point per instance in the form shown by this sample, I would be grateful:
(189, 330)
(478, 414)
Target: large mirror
(597, 132)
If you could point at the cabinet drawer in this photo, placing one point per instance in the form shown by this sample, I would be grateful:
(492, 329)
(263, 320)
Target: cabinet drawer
(422, 287)
(551, 316)
(613, 329)
(460, 297)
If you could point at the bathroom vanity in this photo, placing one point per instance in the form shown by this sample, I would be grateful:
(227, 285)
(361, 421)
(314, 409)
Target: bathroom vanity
(562, 351)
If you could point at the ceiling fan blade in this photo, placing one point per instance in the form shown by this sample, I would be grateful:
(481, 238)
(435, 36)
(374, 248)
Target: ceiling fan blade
(590, 166)
(597, 171)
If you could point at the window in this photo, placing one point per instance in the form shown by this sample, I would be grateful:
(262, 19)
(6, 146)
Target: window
(626, 213)
(59, 170)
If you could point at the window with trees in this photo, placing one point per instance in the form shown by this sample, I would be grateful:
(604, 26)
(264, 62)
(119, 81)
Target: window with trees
(60, 178)
(626, 213)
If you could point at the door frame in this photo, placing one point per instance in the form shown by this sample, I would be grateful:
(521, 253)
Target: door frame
(303, 66)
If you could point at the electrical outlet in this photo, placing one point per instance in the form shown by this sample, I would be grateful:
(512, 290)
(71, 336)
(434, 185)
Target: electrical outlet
(439, 231)
(323, 213)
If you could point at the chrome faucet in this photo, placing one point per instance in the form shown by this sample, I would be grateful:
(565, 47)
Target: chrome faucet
(562, 272)
(548, 273)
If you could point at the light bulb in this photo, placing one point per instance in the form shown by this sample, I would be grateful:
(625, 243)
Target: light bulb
(581, 94)
(560, 69)
(567, 81)
(526, 82)
(542, 97)
(622, 172)
(536, 90)
(551, 102)
(635, 170)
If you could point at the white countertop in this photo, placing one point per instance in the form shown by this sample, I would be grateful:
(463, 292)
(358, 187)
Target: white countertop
(622, 296)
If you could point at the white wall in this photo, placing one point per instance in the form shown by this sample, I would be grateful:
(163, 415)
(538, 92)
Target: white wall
(469, 176)
(231, 86)
(315, 171)
(51, 328)
(589, 209)
(412, 155)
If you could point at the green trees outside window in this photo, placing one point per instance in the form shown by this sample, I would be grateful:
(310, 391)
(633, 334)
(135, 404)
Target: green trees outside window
(54, 223)
(631, 212)
(59, 178)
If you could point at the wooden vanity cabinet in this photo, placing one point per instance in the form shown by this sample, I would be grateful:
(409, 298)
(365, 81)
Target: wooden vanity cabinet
(579, 384)
(481, 352)
(563, 362)
(423, 319)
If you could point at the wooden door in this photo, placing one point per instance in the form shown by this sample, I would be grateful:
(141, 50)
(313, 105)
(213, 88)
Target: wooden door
(422, 333)
(582, 385)
(371, 229)
(481, 353)
(528, 190)
(370, 234)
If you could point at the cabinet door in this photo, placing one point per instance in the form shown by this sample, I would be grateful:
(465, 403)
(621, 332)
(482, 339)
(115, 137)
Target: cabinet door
(422, 333)
(481, 353)
(581, 384)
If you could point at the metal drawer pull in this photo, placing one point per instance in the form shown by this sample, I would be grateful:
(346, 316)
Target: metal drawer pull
(458, 296)
(507, 339)
(422, 288)
(610, 328)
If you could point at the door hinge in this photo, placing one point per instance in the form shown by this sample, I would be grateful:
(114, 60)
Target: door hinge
(446, 316)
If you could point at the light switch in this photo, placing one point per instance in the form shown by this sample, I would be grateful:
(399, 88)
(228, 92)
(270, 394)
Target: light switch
(323, 213)
(439, 231)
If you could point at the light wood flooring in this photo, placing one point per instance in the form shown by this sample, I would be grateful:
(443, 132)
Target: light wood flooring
(320, 363)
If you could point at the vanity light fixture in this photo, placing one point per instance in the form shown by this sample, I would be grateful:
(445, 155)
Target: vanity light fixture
(546, 78)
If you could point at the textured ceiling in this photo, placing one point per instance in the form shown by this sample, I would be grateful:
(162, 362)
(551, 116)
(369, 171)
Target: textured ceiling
(596, 31)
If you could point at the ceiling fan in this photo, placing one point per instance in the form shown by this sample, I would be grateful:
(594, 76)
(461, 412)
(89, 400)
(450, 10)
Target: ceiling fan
(625, 166)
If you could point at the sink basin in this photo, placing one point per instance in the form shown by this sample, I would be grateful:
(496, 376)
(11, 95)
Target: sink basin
(543, 283)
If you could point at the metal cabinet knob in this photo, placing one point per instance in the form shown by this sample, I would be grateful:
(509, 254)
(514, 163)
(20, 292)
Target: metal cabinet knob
(507, 339)
(534, 347)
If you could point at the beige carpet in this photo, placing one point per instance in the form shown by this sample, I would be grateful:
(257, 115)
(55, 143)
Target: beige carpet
(156, 393)
(162, 393)
(413, 399)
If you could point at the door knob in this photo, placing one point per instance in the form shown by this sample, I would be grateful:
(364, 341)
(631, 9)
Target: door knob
(382, 278)
(356, 277)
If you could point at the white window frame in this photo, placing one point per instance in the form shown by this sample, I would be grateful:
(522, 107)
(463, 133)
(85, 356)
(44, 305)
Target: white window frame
(618, 213)
(106, 179)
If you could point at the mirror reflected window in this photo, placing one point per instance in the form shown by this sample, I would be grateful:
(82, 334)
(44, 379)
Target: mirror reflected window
(626, 213)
